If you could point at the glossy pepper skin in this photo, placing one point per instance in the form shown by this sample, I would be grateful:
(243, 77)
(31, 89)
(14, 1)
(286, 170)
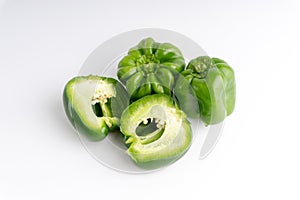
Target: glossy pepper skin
(150, 68)
(94, 105)
(212, 83)
(227, 74)
(168, 142)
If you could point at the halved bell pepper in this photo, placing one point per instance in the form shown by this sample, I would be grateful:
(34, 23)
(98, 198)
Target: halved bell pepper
(149, 68)
(94, 105)
(166, 141)
(213, 84)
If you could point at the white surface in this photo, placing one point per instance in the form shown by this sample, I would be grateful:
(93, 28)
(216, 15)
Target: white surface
(44, 43)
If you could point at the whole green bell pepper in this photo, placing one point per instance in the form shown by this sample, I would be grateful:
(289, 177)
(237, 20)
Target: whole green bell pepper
(150, 68)
(212, 83)
(166, 141)
(94, 105)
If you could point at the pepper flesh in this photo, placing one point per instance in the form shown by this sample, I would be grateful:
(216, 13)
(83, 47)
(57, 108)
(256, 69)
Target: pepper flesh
(150, 68)
(94, 104)
(172, 137)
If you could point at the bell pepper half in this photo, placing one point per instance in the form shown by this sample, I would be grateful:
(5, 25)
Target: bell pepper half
(156, 130)
(94, 105)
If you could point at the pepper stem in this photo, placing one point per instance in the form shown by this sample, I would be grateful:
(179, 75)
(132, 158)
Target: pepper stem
(146, 59)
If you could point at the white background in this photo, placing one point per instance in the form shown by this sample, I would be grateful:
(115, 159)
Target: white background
(44, 43)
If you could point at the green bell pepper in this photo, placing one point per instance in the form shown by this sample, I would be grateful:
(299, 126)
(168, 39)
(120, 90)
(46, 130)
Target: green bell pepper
(150, 68)
(94, 105)
(156, 131)
(227, 74)
(212, 83)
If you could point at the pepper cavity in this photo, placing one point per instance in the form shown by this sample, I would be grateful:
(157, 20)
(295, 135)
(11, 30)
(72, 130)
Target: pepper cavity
(103, 91)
